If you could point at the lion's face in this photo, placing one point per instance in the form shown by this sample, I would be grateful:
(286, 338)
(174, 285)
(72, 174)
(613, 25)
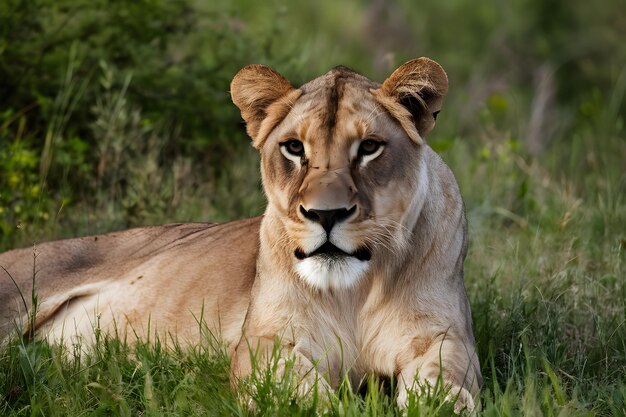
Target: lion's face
(343, 184)
(342, 168)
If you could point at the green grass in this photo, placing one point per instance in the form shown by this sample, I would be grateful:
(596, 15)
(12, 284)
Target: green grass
(119, 116)
(545, 276)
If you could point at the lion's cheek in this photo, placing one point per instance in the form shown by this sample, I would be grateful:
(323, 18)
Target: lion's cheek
(278, 197)
(388, 205)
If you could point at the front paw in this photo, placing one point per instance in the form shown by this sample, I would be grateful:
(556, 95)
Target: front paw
(459, 396)
(304, 377)
(462, 400)
(285, 379)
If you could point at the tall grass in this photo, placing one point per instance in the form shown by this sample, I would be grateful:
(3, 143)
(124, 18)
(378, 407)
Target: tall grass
(119, 116)
(545, 276)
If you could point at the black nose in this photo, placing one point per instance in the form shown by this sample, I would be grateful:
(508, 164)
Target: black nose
(327, 218)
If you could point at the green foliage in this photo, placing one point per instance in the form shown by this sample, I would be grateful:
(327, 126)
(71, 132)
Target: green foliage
(21, 197)
(113, 105)
(117, 113)
(104, 91)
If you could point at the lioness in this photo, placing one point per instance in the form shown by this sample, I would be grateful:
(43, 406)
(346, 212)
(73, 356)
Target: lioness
(355, 268)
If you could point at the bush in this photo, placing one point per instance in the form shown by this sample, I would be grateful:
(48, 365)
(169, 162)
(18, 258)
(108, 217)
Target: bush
(106, 102)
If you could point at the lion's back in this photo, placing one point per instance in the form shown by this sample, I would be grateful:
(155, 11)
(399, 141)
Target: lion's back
(187, 262)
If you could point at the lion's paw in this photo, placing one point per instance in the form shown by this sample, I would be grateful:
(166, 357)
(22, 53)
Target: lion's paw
(461, 397)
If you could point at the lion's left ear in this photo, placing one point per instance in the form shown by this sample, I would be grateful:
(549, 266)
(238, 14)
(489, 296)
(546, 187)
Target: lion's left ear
(257, 90)
(413, 95)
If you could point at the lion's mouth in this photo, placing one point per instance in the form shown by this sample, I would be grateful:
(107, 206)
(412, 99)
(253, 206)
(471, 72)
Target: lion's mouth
(328, 250)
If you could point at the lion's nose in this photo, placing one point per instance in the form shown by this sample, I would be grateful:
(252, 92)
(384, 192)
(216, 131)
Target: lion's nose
(327, 218)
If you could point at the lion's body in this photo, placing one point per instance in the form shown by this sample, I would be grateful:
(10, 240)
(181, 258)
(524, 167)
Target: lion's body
(395, 312)
(355, 268)
(168, 277)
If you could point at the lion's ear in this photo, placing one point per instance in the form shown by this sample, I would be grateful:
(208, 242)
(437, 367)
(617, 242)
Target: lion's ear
(254, 89)
(419, 87)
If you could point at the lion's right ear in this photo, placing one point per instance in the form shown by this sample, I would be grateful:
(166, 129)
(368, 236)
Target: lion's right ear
(413, 94)
(259, 92)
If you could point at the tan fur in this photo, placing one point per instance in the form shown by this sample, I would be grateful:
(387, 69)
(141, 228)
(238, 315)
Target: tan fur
(167, 277)
(260, 86)
(404, 312)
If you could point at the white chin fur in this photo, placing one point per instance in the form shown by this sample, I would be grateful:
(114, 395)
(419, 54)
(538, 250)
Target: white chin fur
(324, 273)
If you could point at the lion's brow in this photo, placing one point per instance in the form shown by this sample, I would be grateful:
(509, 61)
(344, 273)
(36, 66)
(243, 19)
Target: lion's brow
(334, 97)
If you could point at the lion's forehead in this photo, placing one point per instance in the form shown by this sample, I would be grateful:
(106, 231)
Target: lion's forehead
(334, 113)
(336, 108)
(337, 78)
(345, 95)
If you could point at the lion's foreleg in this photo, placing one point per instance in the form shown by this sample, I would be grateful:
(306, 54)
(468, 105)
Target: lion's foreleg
(255, 356)
(449, 364)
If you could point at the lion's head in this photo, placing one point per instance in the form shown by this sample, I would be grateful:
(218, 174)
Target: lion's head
(342, 163)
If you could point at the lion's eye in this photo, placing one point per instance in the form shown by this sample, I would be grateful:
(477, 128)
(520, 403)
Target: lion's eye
(369, 147)
(293, 147)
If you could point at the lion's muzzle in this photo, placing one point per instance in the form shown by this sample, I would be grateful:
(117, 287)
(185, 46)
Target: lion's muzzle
(329, 190)
(328, 250)
(328, 218)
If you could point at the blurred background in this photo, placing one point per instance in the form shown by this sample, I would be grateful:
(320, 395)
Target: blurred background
(117, 113)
